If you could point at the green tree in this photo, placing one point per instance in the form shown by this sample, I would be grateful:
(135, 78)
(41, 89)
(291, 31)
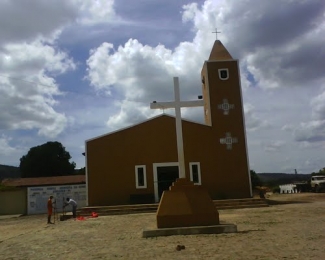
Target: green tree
(81, 171)
(320, 172)
(255, 179)
(49, 159)
(5, 188)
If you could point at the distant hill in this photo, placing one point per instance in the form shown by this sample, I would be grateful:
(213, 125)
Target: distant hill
(13, 172)
(282, 178)
(9, 172)
(266, 178)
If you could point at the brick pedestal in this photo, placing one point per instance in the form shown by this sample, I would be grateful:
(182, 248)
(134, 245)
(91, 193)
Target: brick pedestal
(186, 205)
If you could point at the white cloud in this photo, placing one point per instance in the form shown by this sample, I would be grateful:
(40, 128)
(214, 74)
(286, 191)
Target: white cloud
(313, 131)
(140, 73)
(318, 107)
(96, 11)
(129, 114)
(276, 43)
(313, 163)
(288, 127)
(33, 56)
(274, 146)
(26, 21)
(190, 12)
(276, 50)
(279, 47)
(22, 21)
(134, 63)
(253, 122)
(30, 60)
(27, 92)
(5, 148)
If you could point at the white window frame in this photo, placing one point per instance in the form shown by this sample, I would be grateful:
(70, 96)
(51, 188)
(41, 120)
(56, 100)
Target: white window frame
(199, 172)
(219, 73)
(155, 175)
(137, 177)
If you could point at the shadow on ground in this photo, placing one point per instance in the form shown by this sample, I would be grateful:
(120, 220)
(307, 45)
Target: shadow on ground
(283, 202)
(249, 231)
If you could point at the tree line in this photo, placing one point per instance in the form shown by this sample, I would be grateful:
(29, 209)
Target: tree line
(52, 159)
(46, 160)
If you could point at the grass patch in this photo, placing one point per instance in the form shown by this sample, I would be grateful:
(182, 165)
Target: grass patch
(6, 188)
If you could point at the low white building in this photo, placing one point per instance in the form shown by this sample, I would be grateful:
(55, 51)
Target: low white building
(288, 188)
(31, 194)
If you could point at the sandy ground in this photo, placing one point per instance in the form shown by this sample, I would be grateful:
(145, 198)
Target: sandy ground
(287, 231)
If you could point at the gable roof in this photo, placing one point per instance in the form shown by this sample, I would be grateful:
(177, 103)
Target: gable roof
(45, 181)
(219, 52)
(142, 122)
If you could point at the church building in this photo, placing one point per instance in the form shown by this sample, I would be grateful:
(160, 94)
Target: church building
(136, 164)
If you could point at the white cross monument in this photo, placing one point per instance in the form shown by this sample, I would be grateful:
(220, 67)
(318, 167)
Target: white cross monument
(177, 105)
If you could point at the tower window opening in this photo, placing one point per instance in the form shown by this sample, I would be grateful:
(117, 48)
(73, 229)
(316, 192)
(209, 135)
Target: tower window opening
(223, 74)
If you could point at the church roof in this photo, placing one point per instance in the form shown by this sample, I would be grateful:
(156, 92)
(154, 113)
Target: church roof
(142, 122)
(45, 181)
(219, 52)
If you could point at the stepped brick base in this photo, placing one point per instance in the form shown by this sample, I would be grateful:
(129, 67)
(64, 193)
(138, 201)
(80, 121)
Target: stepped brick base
(186, 205)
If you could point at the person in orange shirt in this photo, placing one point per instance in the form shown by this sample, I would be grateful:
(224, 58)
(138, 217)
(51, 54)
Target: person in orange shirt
(49, 210)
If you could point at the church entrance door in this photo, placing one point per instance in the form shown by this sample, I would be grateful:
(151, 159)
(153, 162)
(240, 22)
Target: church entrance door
(164, 175)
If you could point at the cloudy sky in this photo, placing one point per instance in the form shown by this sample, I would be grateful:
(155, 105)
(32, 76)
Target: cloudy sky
(71, 70)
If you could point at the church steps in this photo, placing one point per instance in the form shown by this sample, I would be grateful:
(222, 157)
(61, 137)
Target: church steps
(234, 202)
(243, 206)
(150, 208)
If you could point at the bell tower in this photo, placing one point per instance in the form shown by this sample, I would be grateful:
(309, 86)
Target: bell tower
(223, 111)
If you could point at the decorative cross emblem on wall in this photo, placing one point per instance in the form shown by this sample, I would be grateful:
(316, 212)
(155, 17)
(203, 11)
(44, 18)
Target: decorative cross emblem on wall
(225, 106)
(228, 140)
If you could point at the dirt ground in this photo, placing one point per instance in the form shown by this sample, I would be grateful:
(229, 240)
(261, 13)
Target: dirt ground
(294, 230)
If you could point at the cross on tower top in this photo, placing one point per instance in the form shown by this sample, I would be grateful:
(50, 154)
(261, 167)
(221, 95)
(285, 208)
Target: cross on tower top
(216, 32)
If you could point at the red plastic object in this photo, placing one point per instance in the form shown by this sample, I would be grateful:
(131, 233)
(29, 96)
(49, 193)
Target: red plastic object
(94, 215)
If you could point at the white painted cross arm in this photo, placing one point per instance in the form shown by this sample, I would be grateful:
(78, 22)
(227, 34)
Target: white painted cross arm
(164, 105)
(177, 105)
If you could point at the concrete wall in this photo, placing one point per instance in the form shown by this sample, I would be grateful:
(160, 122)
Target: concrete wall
(13, 202)
(37, 197)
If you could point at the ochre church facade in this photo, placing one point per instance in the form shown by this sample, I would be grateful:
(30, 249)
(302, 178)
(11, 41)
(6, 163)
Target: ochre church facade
(136, 164)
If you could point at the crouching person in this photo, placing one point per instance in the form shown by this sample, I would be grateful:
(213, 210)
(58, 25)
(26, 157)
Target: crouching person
(74, 206)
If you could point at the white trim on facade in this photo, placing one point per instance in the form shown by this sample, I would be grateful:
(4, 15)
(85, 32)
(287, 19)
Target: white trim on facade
(155, 175)
(219, 73)
(199, 172)
(137, 177)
